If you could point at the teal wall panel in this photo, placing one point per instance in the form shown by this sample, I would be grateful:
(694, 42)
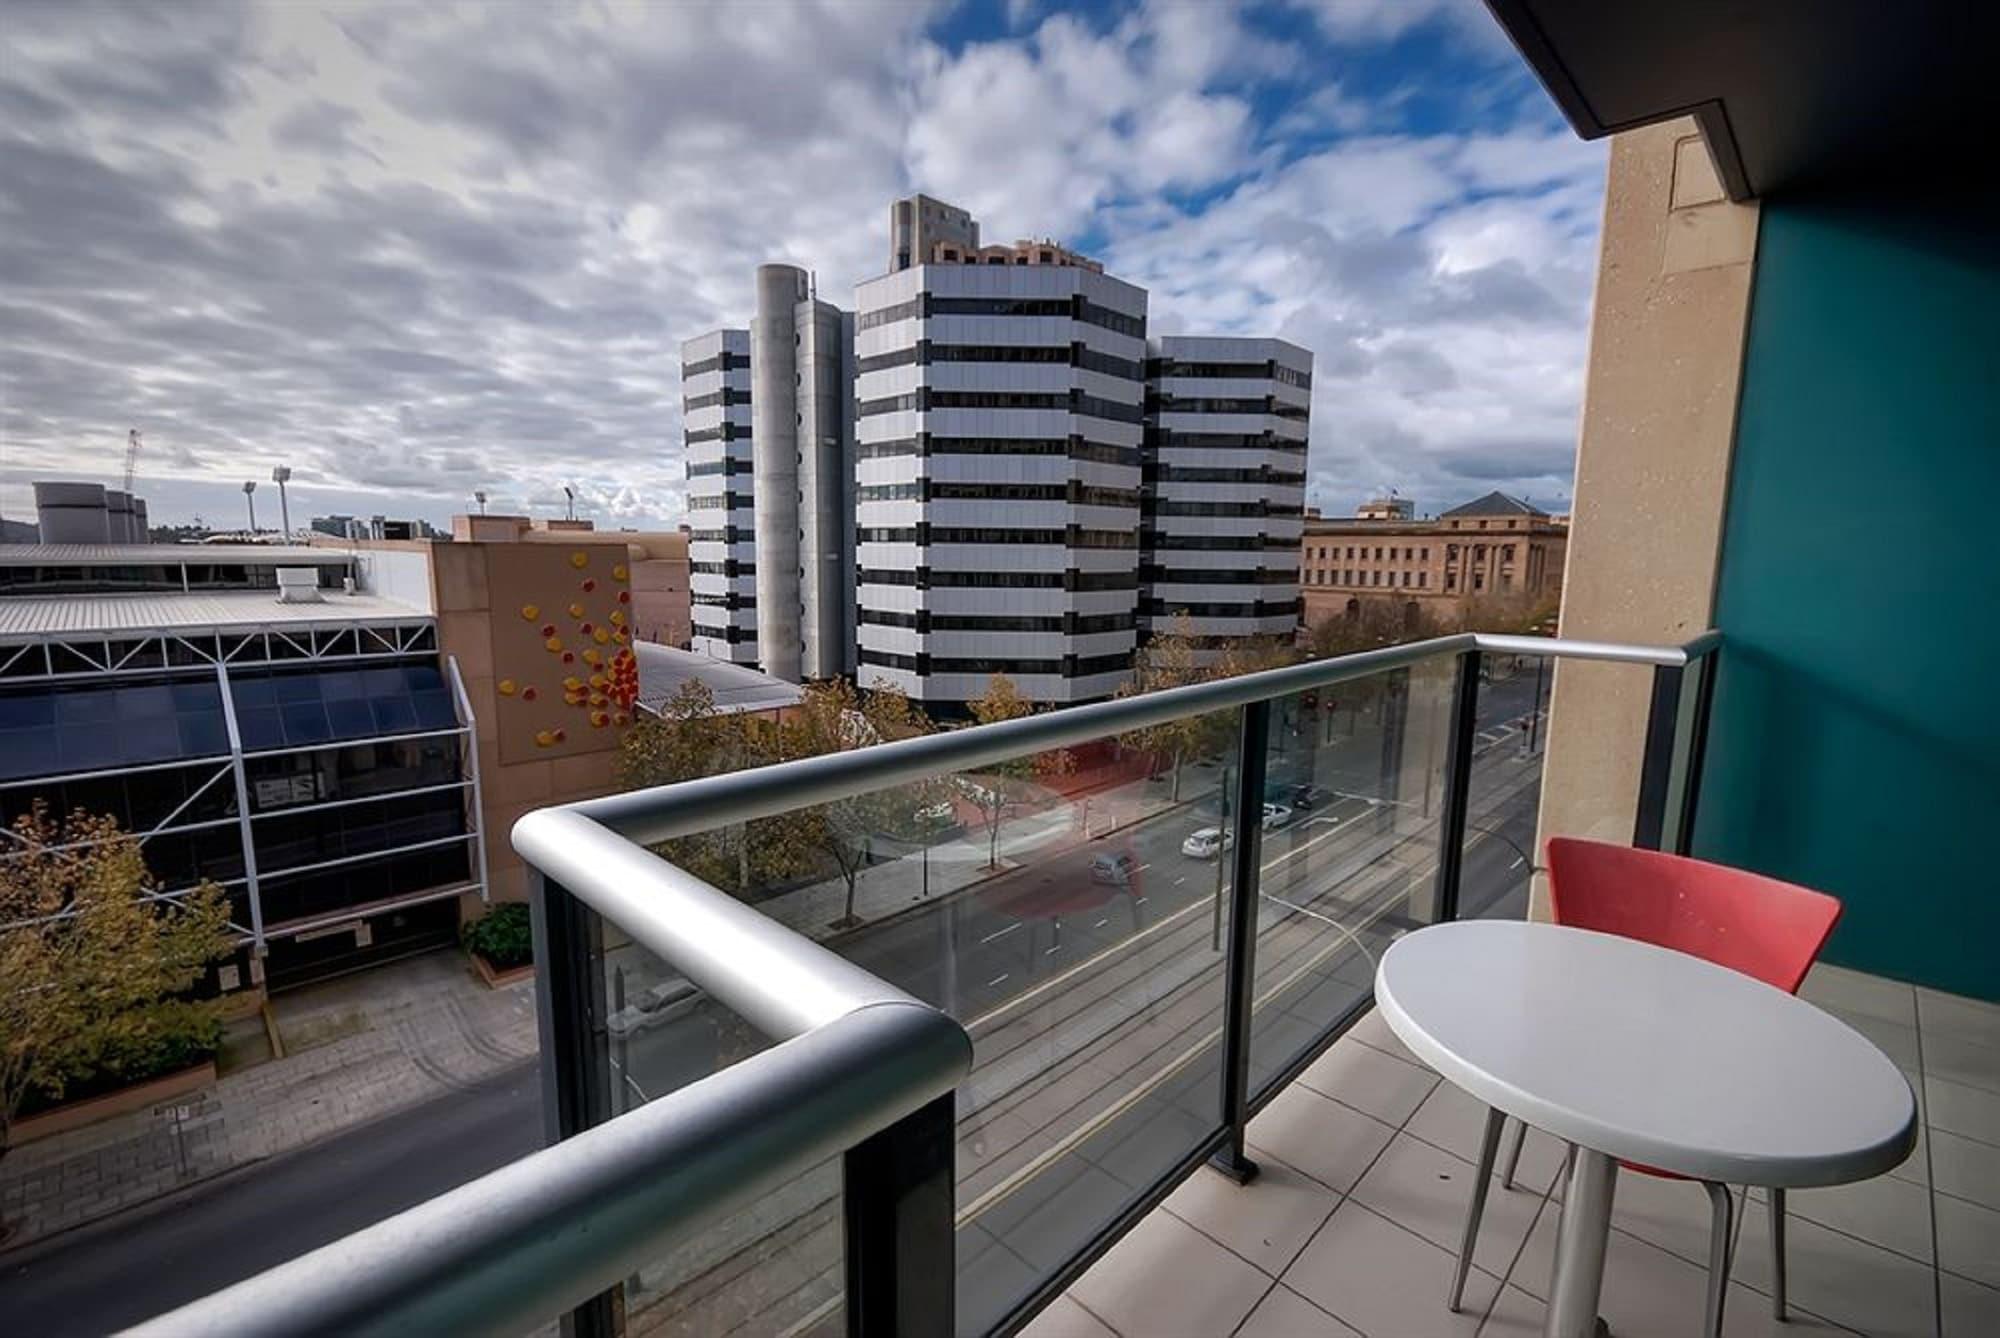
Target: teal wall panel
(1855, 743)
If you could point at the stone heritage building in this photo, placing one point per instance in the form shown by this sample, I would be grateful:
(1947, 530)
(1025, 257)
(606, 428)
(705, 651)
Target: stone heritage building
(1495, 550)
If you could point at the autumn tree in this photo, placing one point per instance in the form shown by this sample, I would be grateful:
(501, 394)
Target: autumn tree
(690, 738)
(687, 739)
(1004, 787)
(1170, 660)
(832, 718)
(94, 966)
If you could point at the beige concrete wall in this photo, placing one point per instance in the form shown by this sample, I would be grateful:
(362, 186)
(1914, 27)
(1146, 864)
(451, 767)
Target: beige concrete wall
(481, 592)
(1659, 420)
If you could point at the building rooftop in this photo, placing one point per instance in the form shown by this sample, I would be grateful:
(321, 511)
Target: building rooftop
(109, 555)
(30, 616)
(1495, 504)
(737, 687)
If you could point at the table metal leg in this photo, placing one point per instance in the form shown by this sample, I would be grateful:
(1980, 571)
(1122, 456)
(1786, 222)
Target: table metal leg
(1580, 1240)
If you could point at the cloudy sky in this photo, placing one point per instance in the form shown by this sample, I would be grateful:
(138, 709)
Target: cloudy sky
(418, 250)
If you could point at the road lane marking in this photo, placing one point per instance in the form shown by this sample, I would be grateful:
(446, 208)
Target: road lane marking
(1515, 865)
(997, 980)
(1121, 945)
(1088, 1128)
(1101, 923)
(1001, 933)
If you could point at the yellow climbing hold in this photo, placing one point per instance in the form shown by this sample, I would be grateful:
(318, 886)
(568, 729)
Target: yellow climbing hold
(579, 559)
(506, 687)
(618, 572)
(531, 611)
(553, 644)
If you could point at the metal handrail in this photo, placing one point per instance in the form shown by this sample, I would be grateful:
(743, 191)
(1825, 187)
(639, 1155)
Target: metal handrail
(686, 807)
(549, 1232)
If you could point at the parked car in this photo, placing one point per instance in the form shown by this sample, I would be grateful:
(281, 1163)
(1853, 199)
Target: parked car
(1277, 816)
(1207, 843)
(1114, 867)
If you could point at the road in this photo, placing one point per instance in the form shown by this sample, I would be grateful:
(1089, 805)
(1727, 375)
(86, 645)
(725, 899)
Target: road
(114, 1273)
(984, 954)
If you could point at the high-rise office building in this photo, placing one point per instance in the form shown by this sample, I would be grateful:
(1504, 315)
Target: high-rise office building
(1000, 418)
(722, 562)
(946, 483)
(1226, 425)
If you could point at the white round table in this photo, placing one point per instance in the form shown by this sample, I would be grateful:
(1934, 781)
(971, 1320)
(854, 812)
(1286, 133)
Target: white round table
(1643, 1054)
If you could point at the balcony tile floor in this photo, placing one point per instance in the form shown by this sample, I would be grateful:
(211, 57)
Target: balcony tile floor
(1353, 1225)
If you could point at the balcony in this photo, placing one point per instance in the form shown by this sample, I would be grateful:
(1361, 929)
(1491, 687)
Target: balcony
(1080, 1072)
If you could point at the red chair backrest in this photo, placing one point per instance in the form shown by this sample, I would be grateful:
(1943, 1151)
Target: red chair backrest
(1760, 926)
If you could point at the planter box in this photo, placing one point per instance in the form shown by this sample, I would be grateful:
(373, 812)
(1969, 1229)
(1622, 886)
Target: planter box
(495, 976)
(76, 1114)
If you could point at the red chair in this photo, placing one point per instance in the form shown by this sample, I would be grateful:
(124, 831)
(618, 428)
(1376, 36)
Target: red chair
(1762, 927)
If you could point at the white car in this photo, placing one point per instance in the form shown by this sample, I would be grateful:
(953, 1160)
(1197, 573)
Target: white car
(1276, 816)
(1207, 843)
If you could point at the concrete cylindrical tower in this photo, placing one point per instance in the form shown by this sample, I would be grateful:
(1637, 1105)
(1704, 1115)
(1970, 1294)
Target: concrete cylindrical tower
(72, 513)
(118, 516)
(774, 462)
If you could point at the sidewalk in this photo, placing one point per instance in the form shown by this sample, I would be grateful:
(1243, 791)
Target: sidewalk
(357, 1048)
(910, 878)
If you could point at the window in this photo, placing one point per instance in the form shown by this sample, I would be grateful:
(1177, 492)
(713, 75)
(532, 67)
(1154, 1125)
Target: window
(1423, 579)
(902, 311)
(990, 399)
(721, 362)
(1406, 578)
(884, 492)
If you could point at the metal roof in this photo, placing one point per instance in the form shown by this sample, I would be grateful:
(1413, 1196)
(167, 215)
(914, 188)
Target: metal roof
(29, 617)
(737, 687)
(1495, 504)
(127, 555)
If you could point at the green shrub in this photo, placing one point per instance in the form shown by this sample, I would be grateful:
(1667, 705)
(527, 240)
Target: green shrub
(502, 936)
(139, 1044)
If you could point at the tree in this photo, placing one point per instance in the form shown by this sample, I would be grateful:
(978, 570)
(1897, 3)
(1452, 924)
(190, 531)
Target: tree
(690, 739)
(831, 718)
(1005, 786)
(1171, 660)
(94, 968)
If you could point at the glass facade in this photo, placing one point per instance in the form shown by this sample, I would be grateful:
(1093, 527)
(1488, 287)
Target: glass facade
(354, 766)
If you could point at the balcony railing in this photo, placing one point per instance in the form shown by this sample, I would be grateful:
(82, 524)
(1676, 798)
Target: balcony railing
(996, 1043)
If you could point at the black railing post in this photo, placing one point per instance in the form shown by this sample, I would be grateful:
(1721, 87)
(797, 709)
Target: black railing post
(1240, 966)
(574, 1058)
(1656, 763)
(898, 1215)
(1704, 701)
(1457, 785)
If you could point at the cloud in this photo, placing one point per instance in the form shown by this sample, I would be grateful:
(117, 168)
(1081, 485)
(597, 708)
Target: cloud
(418, 251)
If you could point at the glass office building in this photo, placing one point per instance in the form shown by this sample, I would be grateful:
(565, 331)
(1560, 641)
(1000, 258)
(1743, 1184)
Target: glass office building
(306, 748)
